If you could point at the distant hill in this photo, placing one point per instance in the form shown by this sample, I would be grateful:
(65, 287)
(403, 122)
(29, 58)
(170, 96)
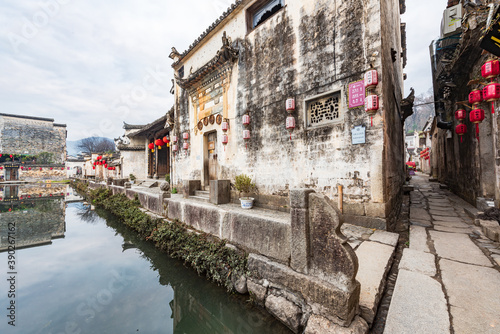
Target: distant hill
(423, 108)
(72, 146)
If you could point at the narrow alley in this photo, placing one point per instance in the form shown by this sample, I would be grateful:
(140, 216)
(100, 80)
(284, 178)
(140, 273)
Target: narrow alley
(449, 276)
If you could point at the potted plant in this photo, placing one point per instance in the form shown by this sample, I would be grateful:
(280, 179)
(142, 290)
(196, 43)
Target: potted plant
(243, 183)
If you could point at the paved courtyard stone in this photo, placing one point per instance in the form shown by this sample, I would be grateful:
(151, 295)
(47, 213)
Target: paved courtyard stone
(419, 222)
(474, 300)
(450, 224)
(384, 237)
(417, 261)
(418, 238)
(419, 213)
(418, 305)
(448, 219)
(449, 213)
(374, 261)
(452, 229)
(458, 247)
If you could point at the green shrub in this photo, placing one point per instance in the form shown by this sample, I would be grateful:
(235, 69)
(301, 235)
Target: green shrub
(243, 183)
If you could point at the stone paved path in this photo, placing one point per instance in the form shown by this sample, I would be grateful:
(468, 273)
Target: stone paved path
(449, 277)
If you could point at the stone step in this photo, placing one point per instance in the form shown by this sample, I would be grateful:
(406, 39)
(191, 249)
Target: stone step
(200, 198)
(202, 193)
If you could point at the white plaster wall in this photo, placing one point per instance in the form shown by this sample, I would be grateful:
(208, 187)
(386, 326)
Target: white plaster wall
(303, 162)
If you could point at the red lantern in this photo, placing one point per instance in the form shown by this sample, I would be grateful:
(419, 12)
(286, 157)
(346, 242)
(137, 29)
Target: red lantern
(185, 135)
(290, 104)
(460, 130)
(166, 140)
(225, 140)
(151, 146)
(105, 165)
(460, 115)
(371, 78)
(371, 106)
(225, 126)
(93, 167)
(159, 143)
(476, 116)
(290, 125)
(40, 168)
(246, 119)
(475, 96)
(185, 146)
(50, 168)
(490, 69)
(174, 139)
(175, 148)
(491, 93)
(246, 134)
(29, 168)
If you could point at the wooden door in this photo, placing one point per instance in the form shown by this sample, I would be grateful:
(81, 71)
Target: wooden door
(212, 156)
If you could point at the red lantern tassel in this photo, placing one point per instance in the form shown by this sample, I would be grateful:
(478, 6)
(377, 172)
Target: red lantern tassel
(371, 121)
(492, 107)
(290, 136)
(461, 137)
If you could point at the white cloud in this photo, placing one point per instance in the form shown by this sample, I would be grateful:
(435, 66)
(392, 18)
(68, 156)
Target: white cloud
(72, 62)
(423, 22)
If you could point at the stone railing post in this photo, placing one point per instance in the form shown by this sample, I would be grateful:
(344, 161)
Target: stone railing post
(300, 244)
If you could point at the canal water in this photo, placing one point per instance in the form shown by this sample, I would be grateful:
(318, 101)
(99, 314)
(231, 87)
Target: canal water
(78, 270)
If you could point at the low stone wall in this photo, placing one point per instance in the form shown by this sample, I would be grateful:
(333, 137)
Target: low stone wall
(305, 278)
(269, 237)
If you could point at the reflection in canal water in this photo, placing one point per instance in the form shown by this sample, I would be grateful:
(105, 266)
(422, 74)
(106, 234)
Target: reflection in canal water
(101, 278)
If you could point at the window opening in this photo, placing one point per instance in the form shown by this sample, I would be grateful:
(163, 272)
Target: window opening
(266, 12)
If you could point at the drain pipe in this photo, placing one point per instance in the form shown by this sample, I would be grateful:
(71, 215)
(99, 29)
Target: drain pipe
(341, 198)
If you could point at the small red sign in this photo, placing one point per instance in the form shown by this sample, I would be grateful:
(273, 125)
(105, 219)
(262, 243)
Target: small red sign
(357, 94)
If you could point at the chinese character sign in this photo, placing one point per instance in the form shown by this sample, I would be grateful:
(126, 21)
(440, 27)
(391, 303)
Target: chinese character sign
(357, 94)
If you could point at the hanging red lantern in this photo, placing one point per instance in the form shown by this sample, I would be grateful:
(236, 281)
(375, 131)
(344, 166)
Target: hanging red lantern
(290, 104)
(50, 168)
(185, 135)
(159, 143)
(371, 106)
(490, 69)
(246, 119)
(491, 93)
(166, 140)
(151, 146)
(371, 78)
(29, 168)
(290, 125)
(93, 167)
(105, 165)
(460, 115)
(475, 96)
(174, 139)
(225, 139)
(40, 168)
(185, 146)
(11, 156)
(460, 130)
(246, 134)
(476, 116)
(225, 126)
(175, 148)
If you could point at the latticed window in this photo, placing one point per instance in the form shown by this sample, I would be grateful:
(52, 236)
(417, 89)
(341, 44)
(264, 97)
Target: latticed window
(324, 109)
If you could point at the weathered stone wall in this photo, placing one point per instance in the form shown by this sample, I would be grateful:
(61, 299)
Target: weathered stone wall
(293, 54)
(42, 173)
(32, 136)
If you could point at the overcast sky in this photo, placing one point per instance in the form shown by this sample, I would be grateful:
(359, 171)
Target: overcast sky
(93, 64)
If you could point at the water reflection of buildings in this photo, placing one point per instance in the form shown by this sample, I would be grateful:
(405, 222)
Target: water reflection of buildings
(38, 218)
(198, 305)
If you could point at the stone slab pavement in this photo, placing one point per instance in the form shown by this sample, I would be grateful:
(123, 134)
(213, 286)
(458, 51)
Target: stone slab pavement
(449, 277)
